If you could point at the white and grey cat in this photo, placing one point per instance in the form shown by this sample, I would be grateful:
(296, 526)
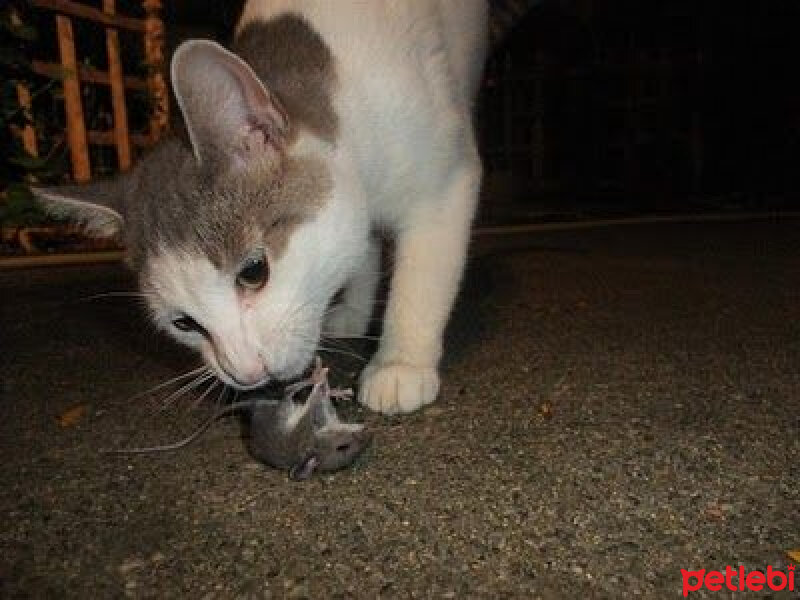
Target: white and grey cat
(324, 123)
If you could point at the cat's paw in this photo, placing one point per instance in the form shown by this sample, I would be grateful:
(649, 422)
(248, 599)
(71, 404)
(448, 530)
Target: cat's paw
(397, 388)
(345, 322)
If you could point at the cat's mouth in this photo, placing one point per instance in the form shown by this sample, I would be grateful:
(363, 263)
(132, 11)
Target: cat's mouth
(257, 380)
(270, 382)
(253, 386)
(244, 387)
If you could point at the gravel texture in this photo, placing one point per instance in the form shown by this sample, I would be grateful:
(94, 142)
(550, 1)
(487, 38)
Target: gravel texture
(617, 405)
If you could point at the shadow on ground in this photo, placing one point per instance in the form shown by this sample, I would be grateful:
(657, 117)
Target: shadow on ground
(618, 405)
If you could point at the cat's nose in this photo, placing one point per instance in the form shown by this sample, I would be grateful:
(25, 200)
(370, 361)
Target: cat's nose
(246, 376)
(244, 367)
(252, 377)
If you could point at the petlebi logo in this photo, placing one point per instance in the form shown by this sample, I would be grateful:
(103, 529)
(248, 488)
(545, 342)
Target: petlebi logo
(738, 580)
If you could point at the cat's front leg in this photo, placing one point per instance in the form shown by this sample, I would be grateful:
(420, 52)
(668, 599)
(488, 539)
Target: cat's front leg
(429, 261)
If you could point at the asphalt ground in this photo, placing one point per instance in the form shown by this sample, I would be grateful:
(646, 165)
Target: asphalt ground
(617, 405)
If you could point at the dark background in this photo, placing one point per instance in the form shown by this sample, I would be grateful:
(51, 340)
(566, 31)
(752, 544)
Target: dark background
(588, 105)
(629, 103)
(656, 104)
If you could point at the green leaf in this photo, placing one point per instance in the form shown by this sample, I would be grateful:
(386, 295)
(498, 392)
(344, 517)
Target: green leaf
(28, 162)
(26, 33)
(20, 207)
(21, 31)
(13, 57)
(61, 73)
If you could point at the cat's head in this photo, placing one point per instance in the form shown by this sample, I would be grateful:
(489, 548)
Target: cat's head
(241, 236)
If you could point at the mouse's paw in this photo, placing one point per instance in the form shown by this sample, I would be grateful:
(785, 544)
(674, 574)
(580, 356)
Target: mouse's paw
(392, 388)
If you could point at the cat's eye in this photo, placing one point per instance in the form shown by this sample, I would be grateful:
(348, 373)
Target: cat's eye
(254, 273)
(187, 323)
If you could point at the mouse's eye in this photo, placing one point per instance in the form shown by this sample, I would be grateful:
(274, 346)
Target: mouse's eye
(254, 273)
(342, 447)
(187, 323)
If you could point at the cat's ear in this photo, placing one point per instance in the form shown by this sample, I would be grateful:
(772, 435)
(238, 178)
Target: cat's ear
(96, 206)
(234, 122)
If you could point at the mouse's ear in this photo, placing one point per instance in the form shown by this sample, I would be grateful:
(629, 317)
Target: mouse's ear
(305, 468)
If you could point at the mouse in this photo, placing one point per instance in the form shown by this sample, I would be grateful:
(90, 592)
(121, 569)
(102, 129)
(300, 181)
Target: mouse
(300, 433)
(305, 435)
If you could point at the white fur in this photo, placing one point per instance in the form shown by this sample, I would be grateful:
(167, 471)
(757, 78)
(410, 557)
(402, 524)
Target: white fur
(274, 333)
(404, 161)
(192, 283)
(351, 317)
(406, 72)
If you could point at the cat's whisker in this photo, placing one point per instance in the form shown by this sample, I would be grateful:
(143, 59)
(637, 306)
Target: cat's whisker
(337, 336)
(198, 401)
(220, 398)
(193, 384)
(318, 345)
(358, 311)
(130, 294)
(346, 340)
(331, 366)
(192, 373)
(342, 352)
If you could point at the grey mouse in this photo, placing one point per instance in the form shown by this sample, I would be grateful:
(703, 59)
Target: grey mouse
(302, 436)
(305, 436)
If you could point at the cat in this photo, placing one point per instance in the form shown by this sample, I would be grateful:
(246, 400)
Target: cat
(325, 123)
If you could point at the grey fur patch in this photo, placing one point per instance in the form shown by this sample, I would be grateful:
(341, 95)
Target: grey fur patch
(295, 64)
(172, 204)
(177, 205)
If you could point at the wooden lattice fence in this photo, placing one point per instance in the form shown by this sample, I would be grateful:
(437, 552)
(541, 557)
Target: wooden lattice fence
(74, 74)
(125, 130)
